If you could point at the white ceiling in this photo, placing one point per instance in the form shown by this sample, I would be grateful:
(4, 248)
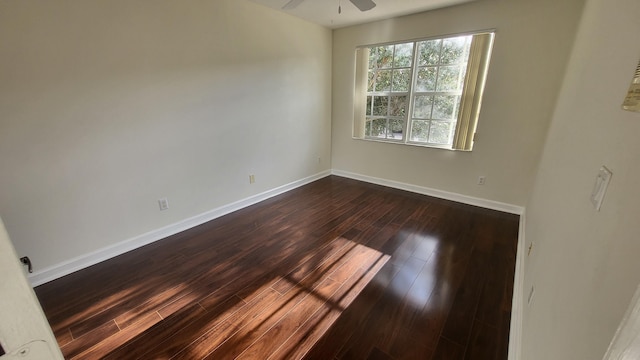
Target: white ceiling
(325, 12)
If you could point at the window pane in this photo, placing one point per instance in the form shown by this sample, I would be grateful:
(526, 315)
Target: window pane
(440, 132)
(380, 105)
(380, 57)
(444, 106)
(373, 56)
(382, 80)
(426, 80)
(454, 50)
(449, 78)
(396, 127)
(419, 130)
(403, 55)
(422, 106)
(370, 79)
(401, 80)
(430, 88)
(429, 52)
(398, 105)
(379, 128)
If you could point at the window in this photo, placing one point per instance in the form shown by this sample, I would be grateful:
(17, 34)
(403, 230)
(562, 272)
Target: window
(424, 92)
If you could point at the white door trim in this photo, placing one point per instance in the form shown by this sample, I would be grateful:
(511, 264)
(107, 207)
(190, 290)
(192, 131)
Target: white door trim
(24, 331)
(626, 342)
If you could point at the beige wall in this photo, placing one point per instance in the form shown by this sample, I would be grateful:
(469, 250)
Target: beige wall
(533, 40)
(584, 263)
(107, 106)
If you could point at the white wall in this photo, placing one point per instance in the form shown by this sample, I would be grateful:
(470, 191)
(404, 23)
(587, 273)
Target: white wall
(532, 44)
(584, 263)
(107, 106)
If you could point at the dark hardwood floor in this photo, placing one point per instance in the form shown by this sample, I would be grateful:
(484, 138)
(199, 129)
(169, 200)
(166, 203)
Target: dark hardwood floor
(337, 269)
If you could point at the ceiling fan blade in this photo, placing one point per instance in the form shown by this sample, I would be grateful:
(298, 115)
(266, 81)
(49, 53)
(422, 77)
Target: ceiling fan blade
(363, 5)
(292, 4)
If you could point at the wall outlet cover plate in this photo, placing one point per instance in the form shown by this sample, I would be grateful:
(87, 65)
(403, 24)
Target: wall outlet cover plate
(600, 187)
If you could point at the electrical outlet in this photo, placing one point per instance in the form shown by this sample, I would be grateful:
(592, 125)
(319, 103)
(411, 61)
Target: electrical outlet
(531, 292)
(319, 159)
(163, 204)
(252, 179)
(481, 180)
(600, 187)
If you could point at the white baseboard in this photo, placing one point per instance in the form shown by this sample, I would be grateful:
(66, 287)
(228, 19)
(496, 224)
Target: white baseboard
(81, 262)
(470, 200)
(517, 303)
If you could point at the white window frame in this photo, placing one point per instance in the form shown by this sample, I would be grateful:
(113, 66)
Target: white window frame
(463, 126)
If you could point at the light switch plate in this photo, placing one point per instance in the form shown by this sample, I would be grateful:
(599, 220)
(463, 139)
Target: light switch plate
(600, 187)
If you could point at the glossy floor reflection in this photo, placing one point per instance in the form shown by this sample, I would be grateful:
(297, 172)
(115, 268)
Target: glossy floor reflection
(335, 269)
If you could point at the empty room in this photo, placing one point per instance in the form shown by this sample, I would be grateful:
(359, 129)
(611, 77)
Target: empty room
(335, 179)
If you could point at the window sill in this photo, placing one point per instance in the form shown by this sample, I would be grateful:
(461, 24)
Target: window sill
(401, 142)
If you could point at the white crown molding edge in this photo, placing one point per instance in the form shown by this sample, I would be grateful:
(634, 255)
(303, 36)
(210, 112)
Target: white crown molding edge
(67, 267)
(465, 199)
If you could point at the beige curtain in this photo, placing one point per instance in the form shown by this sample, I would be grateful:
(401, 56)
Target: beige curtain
(360, 92)
(472, 93)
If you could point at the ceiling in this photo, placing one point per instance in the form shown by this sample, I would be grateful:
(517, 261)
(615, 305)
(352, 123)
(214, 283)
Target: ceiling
(325, 12)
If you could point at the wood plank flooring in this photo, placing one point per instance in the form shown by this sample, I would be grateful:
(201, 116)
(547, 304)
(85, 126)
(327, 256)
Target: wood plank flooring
(336, 269)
